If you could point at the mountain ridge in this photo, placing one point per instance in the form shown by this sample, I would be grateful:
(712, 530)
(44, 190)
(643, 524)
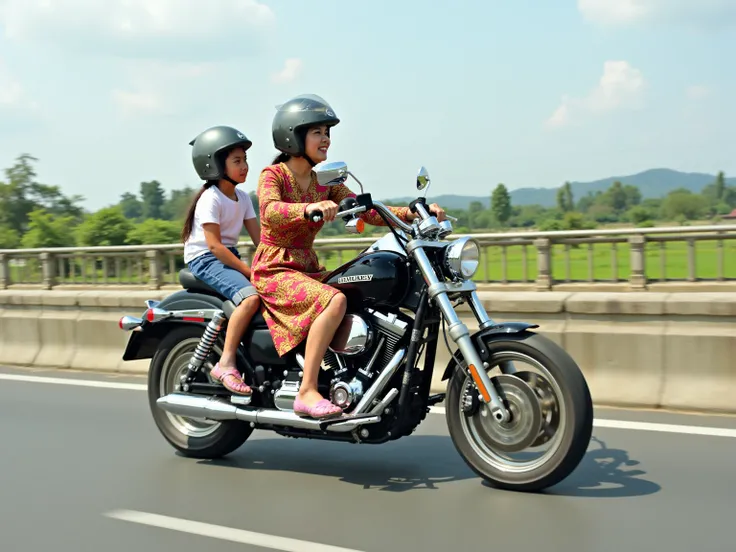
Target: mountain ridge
(653, 183)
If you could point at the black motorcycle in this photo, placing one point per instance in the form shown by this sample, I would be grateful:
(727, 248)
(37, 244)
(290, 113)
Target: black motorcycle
(518, 429)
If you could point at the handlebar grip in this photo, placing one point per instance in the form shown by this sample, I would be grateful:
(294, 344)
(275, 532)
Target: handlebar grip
(315, 215)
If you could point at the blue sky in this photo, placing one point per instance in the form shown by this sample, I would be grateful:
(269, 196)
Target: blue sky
(529, 92)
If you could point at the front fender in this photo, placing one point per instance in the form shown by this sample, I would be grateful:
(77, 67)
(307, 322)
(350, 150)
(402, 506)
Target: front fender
(481, 337)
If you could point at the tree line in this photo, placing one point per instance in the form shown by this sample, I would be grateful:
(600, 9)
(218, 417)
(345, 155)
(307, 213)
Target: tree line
(36, 215)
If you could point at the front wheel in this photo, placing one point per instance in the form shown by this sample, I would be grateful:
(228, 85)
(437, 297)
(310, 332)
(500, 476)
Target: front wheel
(551, 415)
(193, 437)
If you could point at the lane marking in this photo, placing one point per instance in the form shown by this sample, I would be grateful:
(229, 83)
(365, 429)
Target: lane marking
(75, 382)
(224, 533)
(598, 422)
(646, 426)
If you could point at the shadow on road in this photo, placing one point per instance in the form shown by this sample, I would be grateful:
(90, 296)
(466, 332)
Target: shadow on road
(600, 475)
(418, 462)
(427, 462)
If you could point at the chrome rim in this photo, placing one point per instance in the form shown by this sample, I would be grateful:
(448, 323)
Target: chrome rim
(552, 403)
(176, 366)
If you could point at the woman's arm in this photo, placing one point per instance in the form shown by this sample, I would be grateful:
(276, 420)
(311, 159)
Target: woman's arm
(340, 192)
(273, 209)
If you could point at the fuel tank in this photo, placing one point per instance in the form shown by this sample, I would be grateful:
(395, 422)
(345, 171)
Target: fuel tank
(376, 279)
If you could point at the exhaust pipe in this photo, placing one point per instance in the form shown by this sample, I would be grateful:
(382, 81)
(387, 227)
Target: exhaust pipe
(212, 408)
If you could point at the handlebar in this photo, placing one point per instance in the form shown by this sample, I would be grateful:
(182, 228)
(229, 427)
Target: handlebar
(316, 215)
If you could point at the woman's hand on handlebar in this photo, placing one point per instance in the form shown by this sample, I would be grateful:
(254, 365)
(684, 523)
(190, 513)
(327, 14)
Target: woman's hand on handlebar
(328, 209)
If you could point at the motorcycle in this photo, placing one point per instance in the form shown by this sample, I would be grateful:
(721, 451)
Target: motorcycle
(402, 294)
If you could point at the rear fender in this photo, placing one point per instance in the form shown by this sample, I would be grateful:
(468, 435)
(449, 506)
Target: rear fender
(482, 337)
(144, 342)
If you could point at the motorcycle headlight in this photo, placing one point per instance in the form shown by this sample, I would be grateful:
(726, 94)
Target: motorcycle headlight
(462, 258)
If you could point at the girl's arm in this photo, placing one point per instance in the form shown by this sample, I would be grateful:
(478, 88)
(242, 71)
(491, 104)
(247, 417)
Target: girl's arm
(215, 245)
(254, 230)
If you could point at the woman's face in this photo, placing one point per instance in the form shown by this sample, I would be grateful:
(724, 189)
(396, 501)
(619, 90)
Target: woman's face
(317, 142)
(236, 165)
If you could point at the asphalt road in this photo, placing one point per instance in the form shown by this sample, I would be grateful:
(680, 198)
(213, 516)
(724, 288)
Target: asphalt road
(84, 468)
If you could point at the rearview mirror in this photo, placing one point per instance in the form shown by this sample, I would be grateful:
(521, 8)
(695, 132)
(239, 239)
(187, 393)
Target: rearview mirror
(422, 179)
(332, 174)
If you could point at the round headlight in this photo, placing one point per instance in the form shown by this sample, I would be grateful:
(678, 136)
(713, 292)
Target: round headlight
(462, 258)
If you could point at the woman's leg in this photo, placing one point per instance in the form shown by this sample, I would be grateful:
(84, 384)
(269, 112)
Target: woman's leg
(320, 335)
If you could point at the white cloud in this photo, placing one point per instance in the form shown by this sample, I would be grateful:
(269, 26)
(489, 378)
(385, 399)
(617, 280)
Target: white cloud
(136, 28)
(621, 87)
(155, 87)
(689, 12)
(697, 92)
(292, 69)
(12, 94)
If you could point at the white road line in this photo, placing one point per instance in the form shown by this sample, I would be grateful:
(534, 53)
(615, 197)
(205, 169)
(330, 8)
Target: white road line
(604, 423)
(75, 382)
(224, 533)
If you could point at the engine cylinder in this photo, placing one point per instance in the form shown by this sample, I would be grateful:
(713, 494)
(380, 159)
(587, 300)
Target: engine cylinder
(352, 337)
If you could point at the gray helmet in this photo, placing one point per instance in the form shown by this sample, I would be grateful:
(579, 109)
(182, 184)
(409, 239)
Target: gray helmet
(211, 148)
(294, 117)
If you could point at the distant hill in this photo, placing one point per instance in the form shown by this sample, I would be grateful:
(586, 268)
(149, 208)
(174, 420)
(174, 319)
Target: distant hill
(653, 183)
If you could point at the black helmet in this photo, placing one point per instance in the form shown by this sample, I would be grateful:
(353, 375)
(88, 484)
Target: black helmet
(211, 147)
(294, 117)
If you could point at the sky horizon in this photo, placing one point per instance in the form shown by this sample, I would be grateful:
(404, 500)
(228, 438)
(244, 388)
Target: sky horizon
(530, 93)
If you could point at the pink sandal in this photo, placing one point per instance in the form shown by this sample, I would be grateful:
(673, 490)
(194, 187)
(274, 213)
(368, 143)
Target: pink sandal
(322, 410)
(238, 386)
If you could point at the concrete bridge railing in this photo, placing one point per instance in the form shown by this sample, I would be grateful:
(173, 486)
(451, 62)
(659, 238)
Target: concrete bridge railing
(653, 350)
(626, 259)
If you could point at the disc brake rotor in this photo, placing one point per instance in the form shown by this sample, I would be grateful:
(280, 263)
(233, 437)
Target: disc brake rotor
(525, 424)
(548, 402)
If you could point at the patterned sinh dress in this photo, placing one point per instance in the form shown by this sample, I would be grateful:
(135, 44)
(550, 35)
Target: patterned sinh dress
(286, 271)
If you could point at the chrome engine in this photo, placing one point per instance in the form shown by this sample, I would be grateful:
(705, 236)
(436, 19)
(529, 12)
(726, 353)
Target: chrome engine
(347, 357)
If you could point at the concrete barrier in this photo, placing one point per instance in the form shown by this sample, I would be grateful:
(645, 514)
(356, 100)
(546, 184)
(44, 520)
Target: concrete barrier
(651, 350)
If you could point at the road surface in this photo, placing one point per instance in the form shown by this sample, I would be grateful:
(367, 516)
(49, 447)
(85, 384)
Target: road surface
(84, 468)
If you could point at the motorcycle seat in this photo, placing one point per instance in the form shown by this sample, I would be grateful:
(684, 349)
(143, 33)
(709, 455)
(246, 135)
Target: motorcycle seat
(191, 283)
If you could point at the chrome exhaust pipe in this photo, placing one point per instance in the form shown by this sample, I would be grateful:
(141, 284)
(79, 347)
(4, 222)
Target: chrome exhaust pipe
(212, 408)
(193, 406)
(381, 381)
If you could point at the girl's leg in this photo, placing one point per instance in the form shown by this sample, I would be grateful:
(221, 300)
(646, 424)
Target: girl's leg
(236, 326)
(320, 335)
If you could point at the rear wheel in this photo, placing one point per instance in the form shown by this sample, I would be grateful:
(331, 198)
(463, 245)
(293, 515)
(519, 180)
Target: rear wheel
(552, 415)
(193, 437)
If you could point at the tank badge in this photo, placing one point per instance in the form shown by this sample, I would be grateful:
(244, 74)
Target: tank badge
(357, 278)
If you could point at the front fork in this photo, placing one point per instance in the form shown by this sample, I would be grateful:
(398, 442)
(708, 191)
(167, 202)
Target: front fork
(461, 336)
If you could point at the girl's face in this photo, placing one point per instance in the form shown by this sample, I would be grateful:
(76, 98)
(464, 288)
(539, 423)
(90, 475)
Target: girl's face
(317, 142)
(236, 165)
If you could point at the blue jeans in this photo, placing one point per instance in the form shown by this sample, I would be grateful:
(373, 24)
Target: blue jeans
(227, 281)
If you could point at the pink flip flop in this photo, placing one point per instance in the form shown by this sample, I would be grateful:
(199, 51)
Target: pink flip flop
(237, 386)
(322, 410)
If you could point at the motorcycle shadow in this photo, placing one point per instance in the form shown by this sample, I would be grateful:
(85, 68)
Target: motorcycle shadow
(599, 475)
(417, 462)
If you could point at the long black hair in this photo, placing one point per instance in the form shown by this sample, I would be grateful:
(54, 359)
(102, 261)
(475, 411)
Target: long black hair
(189, 221)
(281, 158)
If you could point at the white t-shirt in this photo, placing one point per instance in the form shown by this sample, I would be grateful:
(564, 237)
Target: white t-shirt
(215, 207)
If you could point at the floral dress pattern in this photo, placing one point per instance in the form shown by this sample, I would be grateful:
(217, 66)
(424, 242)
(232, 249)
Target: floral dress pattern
(285, 270)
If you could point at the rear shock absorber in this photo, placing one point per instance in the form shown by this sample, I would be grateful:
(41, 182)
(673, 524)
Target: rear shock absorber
(204, 347)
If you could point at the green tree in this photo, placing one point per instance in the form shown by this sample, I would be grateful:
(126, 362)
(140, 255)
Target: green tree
(9, 238)
(47, 230)
(106, 227)
(501, 204)
(154, 231)
(153, 198)
(131, 206)
(565, 200)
